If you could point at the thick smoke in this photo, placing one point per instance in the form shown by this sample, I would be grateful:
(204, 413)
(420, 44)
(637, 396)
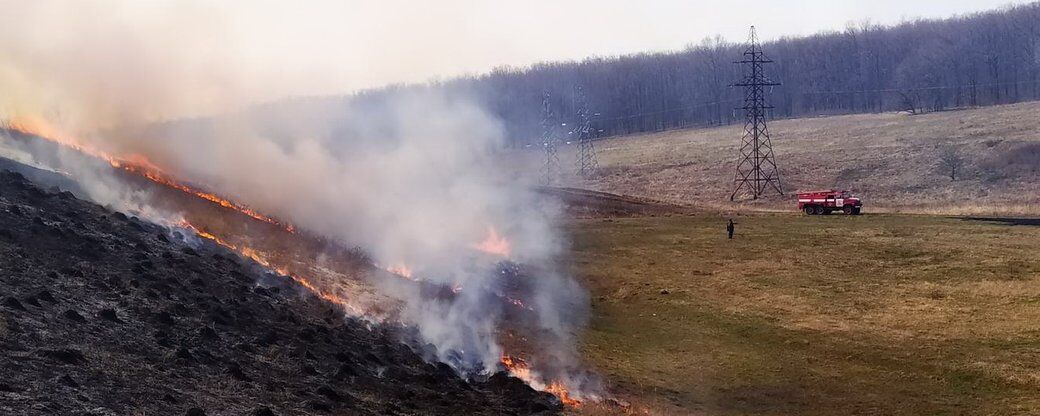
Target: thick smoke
(414, 180)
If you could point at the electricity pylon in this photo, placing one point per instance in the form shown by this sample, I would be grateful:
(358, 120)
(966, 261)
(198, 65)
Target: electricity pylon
(583, 130)
(552, 160)
(756, 166)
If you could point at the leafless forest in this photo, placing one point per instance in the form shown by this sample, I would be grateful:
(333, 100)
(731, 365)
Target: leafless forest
(918, 66)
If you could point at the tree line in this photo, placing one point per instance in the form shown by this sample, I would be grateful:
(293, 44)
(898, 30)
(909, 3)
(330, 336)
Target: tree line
(917, 66)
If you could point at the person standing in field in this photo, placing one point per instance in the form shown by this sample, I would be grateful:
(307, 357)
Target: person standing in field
(730, 228)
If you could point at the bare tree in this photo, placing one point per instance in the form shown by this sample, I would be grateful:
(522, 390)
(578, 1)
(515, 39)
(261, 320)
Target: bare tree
(951, 161)
(715, 62)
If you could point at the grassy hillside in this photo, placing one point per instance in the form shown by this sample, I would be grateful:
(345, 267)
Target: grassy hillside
(889, 159)
(878, 314)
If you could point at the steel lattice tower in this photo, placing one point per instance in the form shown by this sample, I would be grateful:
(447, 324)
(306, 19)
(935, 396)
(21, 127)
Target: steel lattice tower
(552, 160)
(756, 166)
(583, 130)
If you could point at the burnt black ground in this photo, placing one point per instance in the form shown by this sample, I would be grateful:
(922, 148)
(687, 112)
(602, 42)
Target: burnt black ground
(101, 314)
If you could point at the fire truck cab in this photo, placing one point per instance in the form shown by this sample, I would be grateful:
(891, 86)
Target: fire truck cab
(827, 201)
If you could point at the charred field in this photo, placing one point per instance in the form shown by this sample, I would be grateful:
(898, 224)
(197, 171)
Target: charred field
(105, 314)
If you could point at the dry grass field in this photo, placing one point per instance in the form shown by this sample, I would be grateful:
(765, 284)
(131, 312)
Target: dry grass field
(912, 309)
(880, 314)
(889, 159)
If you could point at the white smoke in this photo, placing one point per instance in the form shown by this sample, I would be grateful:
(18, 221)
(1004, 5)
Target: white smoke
(414, 180)
(422, 192)
(93, 179)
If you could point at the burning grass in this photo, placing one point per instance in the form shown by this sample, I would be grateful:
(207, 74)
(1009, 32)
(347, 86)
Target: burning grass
(879, 314)
(352, 302)
(132, 318)
(349, 302)
(349, 279)
(134, 164)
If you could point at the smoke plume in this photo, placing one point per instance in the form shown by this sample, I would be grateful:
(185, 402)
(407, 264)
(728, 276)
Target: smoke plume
(413, 180)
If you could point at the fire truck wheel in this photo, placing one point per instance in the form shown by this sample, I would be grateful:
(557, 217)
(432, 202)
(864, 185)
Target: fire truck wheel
(848, 210)
(809, 210)
(818, 210)
(855, 211)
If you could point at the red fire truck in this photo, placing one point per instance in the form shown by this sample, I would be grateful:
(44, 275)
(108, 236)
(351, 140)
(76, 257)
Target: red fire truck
(827, 201)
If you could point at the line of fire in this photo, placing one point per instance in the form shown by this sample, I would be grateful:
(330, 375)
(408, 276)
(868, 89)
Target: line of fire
(343, 276)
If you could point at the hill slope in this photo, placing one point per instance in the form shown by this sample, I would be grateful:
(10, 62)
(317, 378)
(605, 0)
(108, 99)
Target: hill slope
(107, 315)
(890, 159)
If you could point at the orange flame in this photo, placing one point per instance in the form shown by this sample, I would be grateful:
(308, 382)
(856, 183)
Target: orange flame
(400, 269)
(261, 259)
(494, 244)
(40, 128)
(559, 390)
(157, 176)
(136, 164)
(518, 368)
